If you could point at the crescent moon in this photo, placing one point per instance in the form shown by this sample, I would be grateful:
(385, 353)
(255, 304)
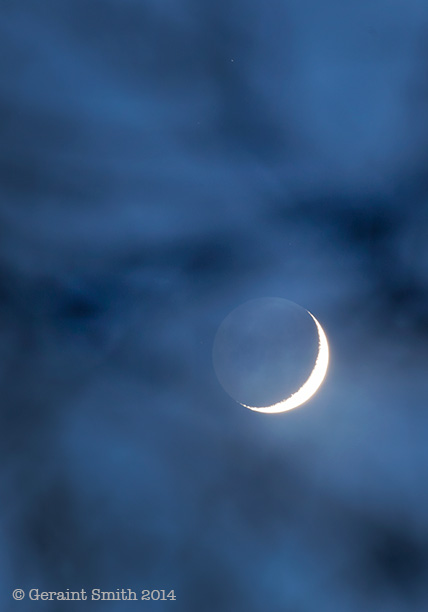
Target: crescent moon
(312, 384)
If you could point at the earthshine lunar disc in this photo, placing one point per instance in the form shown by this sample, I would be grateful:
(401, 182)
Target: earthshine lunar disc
(270, 355)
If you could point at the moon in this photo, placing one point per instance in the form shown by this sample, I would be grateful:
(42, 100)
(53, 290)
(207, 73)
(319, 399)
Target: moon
(270, 355)
(312, 384)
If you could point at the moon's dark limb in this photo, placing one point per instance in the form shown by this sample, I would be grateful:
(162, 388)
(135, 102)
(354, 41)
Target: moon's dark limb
(265, 350)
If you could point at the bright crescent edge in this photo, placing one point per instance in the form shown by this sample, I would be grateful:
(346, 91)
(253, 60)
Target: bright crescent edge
(312, 384)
